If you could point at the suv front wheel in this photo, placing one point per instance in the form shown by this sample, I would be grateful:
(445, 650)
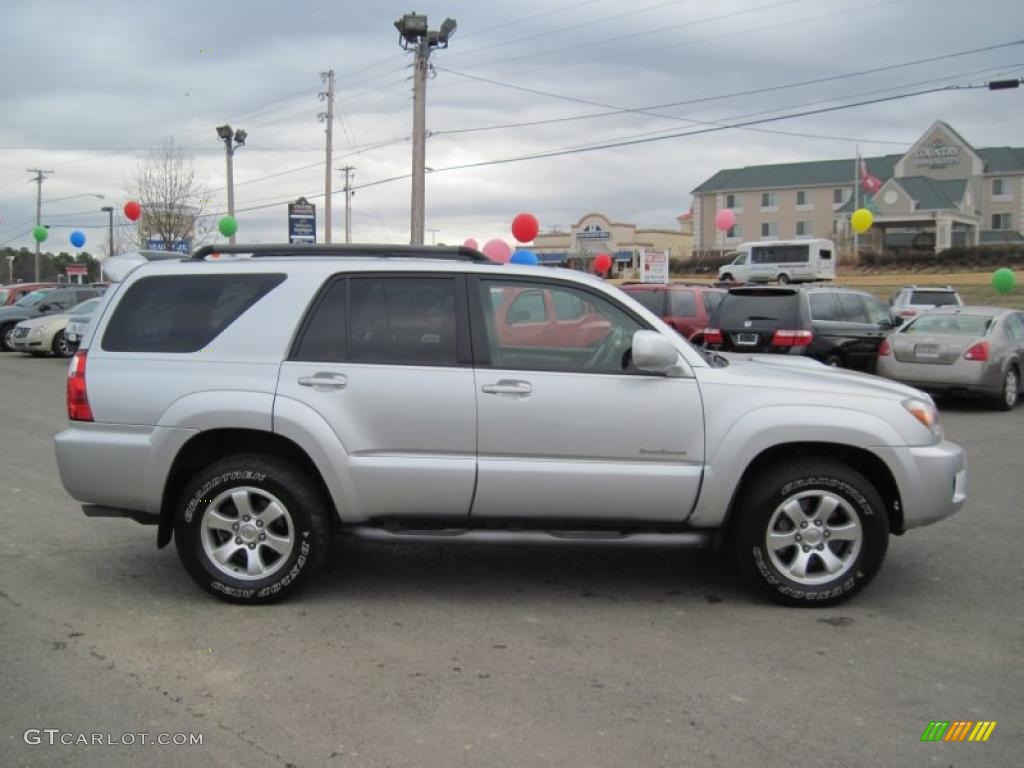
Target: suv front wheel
(810, 532)
(252, 528)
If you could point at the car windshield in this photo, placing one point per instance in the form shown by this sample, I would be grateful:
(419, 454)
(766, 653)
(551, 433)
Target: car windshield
(934, 298)
(31, 299)
(760, 309)
(952, 325)
(4, 293)
(84, 308)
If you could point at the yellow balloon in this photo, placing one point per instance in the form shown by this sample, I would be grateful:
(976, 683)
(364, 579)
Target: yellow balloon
(861, 220)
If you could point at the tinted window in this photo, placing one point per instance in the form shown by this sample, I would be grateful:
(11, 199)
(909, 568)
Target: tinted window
(711, 300)
(934, 298)
(182, 313)
(878, 313)
(775, 254)
(528, 307)
(681, 304)
(852, 308)
(568, 306)
(824, 306)
(764, 310)
(953, 325)
(652, 300)
(326, 334)
(404, 320)
(825, 254)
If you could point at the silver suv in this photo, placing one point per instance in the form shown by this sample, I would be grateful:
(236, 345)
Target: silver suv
(251, 406)
(911, 300)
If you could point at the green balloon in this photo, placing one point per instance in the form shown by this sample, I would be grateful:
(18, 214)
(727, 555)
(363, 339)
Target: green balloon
(1003, 280)
(40, 233)
(227, 225)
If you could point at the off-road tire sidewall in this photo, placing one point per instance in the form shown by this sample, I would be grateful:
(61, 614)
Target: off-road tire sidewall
(766, 492)
(305, 504)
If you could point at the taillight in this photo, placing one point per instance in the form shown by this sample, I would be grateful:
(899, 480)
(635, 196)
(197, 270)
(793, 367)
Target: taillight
(978, 352)
(792, 338)
(712, 336)
(908, 313)
(78, 400)
(884, 349)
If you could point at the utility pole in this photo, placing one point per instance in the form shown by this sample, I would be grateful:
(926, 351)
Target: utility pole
(40, 173)
(328, 116)
(226, 135)
(414, 35)
(433, 235)
(349, 172)
(108, 209)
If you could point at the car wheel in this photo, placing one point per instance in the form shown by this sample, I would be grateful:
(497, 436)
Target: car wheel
(60, 346)
(810, 532)
(835, 361)
(1007, 399)
(7, 337)
(727, 278)
(252, 528)
(783, 279)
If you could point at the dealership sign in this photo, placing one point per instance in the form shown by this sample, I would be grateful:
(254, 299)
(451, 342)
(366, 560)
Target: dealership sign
(301, 221)
(653, 266)
(159, 244)
(937, 154)
(593, 232)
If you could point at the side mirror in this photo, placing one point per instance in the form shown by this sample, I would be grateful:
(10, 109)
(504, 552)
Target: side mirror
(655, 354)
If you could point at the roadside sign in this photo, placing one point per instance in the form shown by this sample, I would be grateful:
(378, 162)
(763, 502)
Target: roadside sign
(653, 266)
(301, 221)
(76, 269)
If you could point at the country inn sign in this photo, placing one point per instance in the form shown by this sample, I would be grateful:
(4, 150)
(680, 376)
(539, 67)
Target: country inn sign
(942, 192)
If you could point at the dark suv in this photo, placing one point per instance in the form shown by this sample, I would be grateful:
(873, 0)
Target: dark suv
(837, 326)
(686, 308)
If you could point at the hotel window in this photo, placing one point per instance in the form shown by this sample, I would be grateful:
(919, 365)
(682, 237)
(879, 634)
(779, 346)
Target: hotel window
(838, 196)
(804, 229)
(803, 199)
(769, 229)
(735, 231)
(1000, 221)
(768, 200)
(1000, 188)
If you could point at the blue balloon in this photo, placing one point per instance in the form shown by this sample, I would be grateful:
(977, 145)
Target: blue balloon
(78, 238)
(525, 257)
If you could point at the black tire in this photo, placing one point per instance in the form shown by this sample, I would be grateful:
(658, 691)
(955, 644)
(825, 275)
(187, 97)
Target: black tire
(7, 337)
(307, 519)
(835, 361)
(784, 279)
(728, 278)
(60, 346)
(762, 500)
(1011, 383)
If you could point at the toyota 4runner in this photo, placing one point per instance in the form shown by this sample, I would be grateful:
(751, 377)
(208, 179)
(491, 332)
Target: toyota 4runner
(253, 404)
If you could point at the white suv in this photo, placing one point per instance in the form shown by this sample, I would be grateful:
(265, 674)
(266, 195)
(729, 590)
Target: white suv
(251, 407)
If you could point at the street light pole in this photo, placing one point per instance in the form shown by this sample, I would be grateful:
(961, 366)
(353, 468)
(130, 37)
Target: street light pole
(414, 35)
(231, 142)
(328, 116)
(109, 210)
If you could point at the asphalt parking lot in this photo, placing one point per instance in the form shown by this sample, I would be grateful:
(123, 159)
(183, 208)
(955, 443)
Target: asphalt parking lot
(474, 655)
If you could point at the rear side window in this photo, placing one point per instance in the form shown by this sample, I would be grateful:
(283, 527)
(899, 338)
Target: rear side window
(182, 313)
(934, 298)
(761, 310)
(652, 300)
(824, 306)
(681, 304)
(711, 300)
(853, 308)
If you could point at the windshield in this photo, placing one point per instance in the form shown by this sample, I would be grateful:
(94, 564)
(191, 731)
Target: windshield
(84, 308)
(952, 325)
(758, 310)
(31, 299)
(934, 298)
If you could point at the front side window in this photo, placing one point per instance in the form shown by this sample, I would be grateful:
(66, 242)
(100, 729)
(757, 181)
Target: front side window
(596, 345)
(853, 308)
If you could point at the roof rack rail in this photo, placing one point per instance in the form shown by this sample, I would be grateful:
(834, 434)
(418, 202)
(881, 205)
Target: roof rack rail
(448, 253)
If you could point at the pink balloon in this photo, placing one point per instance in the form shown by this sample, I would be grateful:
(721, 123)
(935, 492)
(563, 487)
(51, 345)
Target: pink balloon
(471, 243)
(497, 250)
(725, 219)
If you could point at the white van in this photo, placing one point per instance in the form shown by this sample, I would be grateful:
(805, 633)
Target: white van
(787, 261)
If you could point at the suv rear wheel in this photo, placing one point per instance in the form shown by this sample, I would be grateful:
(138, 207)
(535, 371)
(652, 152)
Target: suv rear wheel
(784, 279)
(810, 532)
(252, 528)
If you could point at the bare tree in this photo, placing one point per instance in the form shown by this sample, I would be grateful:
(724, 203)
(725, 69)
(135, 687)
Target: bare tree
(173, 200)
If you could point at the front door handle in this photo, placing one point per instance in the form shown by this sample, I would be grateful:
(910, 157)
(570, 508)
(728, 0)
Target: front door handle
(508, 387)
(324, 380)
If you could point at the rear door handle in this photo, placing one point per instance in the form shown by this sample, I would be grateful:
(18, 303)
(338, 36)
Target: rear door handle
(508, 387)
(324, 380)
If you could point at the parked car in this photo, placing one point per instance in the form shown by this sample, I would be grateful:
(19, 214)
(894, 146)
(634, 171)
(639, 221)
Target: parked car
(686, 308)
(535, 317)
(77, 323)
(45, 301)
(910, 301)
(960, 351)
(783, 261)
(836, 326)
(251, 407)
(47, 334)
(9, 294)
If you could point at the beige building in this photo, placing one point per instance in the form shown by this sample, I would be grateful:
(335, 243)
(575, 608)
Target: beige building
(595, 233)
(942, 192)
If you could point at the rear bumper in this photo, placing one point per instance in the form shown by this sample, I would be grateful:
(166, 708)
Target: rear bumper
(963, 375)
(932, 480)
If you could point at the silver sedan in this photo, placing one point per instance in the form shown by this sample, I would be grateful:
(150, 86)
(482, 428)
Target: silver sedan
(960, 350)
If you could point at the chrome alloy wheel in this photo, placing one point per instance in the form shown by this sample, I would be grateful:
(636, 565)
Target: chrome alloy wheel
(1011, 386)
(814, 537)
(247, 533)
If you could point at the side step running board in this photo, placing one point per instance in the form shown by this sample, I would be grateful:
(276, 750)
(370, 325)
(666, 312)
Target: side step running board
(98, 510)
(492, 536)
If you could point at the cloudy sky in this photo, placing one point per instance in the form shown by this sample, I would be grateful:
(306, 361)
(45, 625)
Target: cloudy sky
(88, 88)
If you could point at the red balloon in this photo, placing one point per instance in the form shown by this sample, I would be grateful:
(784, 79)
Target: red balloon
(525, 227)
(602, 263)
(132, 210)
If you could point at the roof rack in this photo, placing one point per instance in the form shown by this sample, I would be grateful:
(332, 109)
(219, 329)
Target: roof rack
(448, 253)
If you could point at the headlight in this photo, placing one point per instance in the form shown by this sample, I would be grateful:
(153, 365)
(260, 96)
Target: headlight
(36, 331)
(925, 412)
